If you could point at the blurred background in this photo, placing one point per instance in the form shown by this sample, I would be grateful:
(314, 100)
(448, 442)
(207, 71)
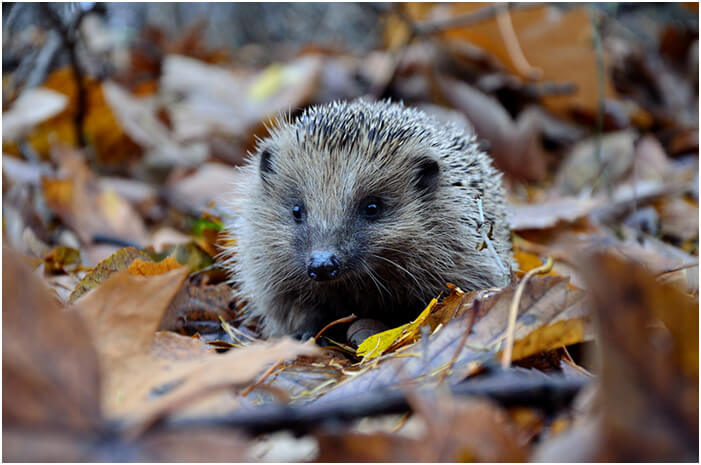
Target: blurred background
(163, 99)
(123, 122)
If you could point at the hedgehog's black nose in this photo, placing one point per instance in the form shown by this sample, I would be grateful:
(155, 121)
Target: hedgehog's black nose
(323, 266)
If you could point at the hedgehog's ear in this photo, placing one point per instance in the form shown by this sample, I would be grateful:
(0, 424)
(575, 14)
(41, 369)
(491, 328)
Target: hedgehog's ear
(266, 162)
(426, 174)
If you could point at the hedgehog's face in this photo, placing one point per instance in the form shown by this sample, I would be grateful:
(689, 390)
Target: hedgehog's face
(330, 249)
(341, 217)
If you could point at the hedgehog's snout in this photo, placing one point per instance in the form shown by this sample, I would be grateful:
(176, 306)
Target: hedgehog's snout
(323, 266)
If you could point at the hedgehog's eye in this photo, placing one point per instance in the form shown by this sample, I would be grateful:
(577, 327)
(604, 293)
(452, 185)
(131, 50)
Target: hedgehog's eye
(371, 208)
(298, 212)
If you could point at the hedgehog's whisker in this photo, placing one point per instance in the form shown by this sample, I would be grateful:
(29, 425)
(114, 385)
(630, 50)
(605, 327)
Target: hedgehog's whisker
(404, 252)
(375, 279)
(411, 275)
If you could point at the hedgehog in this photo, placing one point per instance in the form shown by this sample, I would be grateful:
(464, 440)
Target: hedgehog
(365, 208)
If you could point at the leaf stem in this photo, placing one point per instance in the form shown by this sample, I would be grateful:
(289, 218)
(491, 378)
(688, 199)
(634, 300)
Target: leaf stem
(513, 311)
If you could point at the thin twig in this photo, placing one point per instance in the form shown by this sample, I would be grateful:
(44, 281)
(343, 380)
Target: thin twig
(466, 19)
(677, 268)
(513, 311)
(70, 37)
(569, 360)
(345, 319)
(600, 91)
(401, 422)
(513, 47)
(430, 27)
(399, 54)
(508, 389)
(262, 378)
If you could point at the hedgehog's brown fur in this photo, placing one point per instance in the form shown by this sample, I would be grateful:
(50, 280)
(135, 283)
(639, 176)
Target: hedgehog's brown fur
(429, 177)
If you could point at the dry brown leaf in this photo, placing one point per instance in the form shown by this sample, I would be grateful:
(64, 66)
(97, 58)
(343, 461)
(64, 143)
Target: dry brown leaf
(156, 387)
(34, 106)
(76, 197)
(138, 118)
(211, 185)
(124, 313)
(199, 308)
(457, 430)
(567, 241)
(166, 237)
(590, 165)
(198, 444)
(377, 447)
(50, 368)
(171, 346)
(571, 327)
(546, 301)
(549, 213)
(651, 161)
(469, 430)
(551, 315)
(452, 306)
(51, 386)
(514, 145)
(679, 218)
(219, 101)
(556, 41)
(20, 445)
(656, 416)
(112, 146)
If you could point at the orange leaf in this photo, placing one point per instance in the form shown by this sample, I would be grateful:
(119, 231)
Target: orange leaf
(143, 268)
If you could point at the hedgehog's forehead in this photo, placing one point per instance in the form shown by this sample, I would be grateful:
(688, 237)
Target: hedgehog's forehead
(357, 126)
(358, 150)
(366, 134)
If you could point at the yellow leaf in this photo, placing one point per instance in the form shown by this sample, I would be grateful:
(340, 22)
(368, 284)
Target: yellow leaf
(559, 334)
(376, 345)
(268, 83)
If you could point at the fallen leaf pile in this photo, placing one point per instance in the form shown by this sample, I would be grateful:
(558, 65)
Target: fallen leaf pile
(123, 339)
